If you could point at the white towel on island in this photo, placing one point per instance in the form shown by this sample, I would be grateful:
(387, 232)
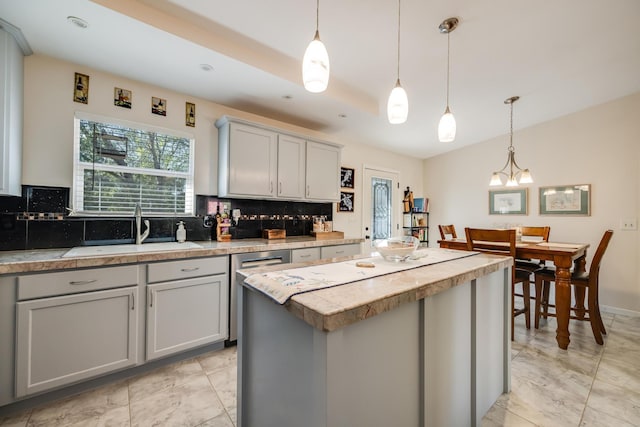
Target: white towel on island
(283, 284)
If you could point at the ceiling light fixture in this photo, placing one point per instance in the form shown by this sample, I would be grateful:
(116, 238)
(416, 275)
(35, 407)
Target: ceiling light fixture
(398, 104)
(78, 22)
(515, 171)
(315, 63)
(447, 125)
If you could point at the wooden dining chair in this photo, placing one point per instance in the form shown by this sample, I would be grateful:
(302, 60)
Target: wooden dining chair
(477, 240)
(543, 234)
(586, 281)
(447, 229)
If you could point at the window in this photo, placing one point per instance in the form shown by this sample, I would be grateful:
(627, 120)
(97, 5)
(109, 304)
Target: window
(118, 165)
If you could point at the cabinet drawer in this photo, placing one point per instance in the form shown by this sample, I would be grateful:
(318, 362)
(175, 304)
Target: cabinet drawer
(71, 282)
(304, 255)
(187, 268)
(340, 251)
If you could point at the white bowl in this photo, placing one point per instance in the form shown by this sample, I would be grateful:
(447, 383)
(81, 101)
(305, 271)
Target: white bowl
(397, 248)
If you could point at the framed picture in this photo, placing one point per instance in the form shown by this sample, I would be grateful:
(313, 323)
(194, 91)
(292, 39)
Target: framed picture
(121, 97)
(190, 114)
(347, 176)
(508, 202)
(158, 106)
(566, 200)
(346, 202)
(81, 88)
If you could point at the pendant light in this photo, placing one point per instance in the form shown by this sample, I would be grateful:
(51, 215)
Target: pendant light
(315, 63)
(515, 171)
(398, 104)
(447, 125)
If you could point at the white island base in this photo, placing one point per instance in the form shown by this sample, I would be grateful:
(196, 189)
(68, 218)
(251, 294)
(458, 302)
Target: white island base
(438, 361)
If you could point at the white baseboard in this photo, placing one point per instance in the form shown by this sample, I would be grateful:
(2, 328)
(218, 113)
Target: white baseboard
(621, 311)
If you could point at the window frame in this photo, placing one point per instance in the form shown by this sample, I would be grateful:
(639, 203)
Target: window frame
(77, 188)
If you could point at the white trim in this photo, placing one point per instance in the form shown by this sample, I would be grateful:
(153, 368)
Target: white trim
(81, 115)
(620, 311)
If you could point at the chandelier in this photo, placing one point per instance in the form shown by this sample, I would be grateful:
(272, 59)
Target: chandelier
(515, 174)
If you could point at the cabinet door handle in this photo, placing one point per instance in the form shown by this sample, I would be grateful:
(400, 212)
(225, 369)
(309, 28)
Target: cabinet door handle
(188, 270)
(133, 301)
(305, 256)
(307, 190)
(150, 292)
(82, 282)
(280, 188)
(271, 187)
(339, 252)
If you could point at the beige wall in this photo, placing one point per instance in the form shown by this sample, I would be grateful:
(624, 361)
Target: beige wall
(48, 130)
(598, 146)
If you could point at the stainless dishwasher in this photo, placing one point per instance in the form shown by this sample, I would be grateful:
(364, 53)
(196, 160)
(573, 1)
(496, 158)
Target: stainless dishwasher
(244, 261)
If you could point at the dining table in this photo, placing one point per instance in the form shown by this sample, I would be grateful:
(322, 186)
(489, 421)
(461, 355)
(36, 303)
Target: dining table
(563, 256)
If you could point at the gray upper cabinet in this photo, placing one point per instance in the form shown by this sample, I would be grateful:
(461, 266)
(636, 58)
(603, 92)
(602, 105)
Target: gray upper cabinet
(259, 162)
(248, 162)
(291, 166)
(11, 100)
(323, 172)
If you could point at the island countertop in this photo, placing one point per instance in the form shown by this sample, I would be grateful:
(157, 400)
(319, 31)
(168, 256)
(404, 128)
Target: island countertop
(332, 308)
(25, 261)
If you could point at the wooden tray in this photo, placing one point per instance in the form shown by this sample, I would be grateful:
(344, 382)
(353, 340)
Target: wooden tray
(274, 233)
(326, 235)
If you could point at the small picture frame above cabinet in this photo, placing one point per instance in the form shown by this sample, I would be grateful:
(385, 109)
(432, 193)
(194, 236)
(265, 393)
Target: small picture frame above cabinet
(81, 88)
(190, 114)
(158, 106)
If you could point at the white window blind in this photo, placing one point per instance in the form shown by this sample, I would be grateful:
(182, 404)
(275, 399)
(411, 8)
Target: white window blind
(117, 166)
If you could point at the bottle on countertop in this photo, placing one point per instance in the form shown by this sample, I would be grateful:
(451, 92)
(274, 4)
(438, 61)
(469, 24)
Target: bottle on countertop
(181, 234)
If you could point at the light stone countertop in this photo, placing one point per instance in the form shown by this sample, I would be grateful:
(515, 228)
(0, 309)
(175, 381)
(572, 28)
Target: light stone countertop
(12, 262)
(332, 308)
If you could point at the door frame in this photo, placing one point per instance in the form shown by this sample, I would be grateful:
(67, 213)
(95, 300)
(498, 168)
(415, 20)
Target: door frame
(395, 202)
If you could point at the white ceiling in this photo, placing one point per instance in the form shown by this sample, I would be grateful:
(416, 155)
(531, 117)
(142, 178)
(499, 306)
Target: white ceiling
(558, 56)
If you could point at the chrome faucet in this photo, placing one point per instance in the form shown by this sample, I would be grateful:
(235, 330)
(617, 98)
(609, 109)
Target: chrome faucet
(140, 237)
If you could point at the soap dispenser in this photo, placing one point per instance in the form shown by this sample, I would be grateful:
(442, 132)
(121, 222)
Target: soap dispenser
(181, 234)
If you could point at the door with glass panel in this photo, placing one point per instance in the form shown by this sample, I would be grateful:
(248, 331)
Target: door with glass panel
(381, 205)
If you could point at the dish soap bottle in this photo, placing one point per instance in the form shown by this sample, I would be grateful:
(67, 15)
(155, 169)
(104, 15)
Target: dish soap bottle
(181, 234)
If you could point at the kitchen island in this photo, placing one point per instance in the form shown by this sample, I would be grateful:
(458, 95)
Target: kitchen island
(427, 346)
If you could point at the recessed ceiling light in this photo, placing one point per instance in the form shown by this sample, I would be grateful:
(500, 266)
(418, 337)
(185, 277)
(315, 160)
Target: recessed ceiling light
(78, 22)
(206, 67)
(342, 116)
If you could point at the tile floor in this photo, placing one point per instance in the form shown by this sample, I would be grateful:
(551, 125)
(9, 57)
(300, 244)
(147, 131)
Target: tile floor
(588, 385)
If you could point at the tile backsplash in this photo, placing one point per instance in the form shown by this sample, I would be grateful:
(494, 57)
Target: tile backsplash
(39, 220)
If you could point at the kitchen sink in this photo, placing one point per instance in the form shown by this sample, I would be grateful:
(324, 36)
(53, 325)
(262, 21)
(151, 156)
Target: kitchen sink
(129, 249)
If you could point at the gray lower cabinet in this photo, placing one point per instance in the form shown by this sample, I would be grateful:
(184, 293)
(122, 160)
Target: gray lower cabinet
(339, 250)
(305, 255)
(65, 339)
(184, 311)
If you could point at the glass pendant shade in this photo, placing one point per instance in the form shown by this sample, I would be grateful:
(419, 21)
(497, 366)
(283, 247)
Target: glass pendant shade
(315, 66)
(447, 127)
(495, 180)
(526, 178)
(398, 105)
(511, 182)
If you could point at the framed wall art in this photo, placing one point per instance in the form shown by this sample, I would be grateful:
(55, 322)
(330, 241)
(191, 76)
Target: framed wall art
(81, 88)
(190, 114)
(121, 97)
(566, 200)
(508, 202)
(347, 177)
(158, 106)
(346, 203)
